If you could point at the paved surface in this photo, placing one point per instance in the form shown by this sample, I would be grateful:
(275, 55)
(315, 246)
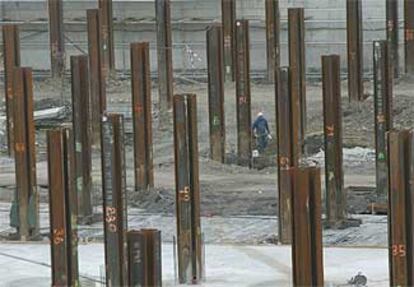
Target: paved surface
(223, 230)
(226, 265)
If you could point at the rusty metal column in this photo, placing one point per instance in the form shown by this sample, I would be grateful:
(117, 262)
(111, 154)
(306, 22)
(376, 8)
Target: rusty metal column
(144, 258)
(114, 200)
(62, 213)
(142, 115)
(409, 35)
(57, 38)
(11, 59)
(164, 54)
(216, 93)
(228, 18)
(332, 114)
(82, 134)
(97, 78)
(355, 50)
(285, 151)
(243, 101)
(71, 205)
(400, 208)
(26, 206)
(307, 252)
(190, 261)
(297, 62)
(107, 35)
(383, 90)
(272, 37)
(392, 25)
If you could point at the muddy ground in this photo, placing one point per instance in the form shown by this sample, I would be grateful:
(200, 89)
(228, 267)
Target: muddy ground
(225, 189)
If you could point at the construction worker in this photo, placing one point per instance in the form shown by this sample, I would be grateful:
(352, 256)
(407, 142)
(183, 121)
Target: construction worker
(261, 132)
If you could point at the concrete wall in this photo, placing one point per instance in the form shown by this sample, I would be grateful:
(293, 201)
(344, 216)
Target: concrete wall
(134, 21)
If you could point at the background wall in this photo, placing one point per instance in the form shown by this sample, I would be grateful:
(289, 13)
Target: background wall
(134, 21)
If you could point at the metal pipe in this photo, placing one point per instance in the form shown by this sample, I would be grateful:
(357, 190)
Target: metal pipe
(142, 115)
(216, 93)
(11, 59)
(243, 98)
(332, 114)
(114, 200)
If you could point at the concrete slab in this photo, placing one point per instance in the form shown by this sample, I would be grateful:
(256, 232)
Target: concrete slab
(226, 265)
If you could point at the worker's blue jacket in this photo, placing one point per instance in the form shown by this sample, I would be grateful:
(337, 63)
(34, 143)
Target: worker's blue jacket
(260, 126)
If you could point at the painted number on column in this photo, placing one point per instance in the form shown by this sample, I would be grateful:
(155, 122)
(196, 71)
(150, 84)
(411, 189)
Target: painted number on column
(110, 218)
(398, 250)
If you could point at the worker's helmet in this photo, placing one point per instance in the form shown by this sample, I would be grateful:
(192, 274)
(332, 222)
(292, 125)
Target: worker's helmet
(259, 114)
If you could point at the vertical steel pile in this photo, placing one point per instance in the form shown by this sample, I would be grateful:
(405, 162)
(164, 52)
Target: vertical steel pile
(114, 200)
(400, 207)
(142, 115)
(296, 21)
(25, 208)
(97, 77)
(242, 66)
(216, 93)
(383, 90)
(62, 208)
(332, 115)
(409, 35)
(285, 147)
(228, 18)
(82, 134)
(355, 49)
(392, 26)
(144, 258)
(11, 59)
(272, 38)
(105, 6)
(307, 251)
(57, 37)
(187, 189)
(164, 54)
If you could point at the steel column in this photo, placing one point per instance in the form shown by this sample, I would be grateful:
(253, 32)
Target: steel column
(228, 18)
(409, 35)
(11, 59)
(144, 258)
(107, 35)
(164, 54)
(315, 214)
(114, 200)
(82, 134)
(332, 114)
(71, 199)
(190, 262)
(216, 93)
(243, 99)
(400, 215)
(97, 78)
(383, 90)
(297, 62)
(142, 115)
(392, 25)
(285, 149)
(57, 38)
(307, 253)
(272, 38)
(25, 208)
(355, 50)
(62, 213)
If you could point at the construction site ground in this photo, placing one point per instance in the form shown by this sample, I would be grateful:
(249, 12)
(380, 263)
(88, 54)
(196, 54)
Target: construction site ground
(226, 265)
(238, 204)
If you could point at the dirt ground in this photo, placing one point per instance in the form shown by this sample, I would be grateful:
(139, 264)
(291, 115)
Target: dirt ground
(225, 189)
